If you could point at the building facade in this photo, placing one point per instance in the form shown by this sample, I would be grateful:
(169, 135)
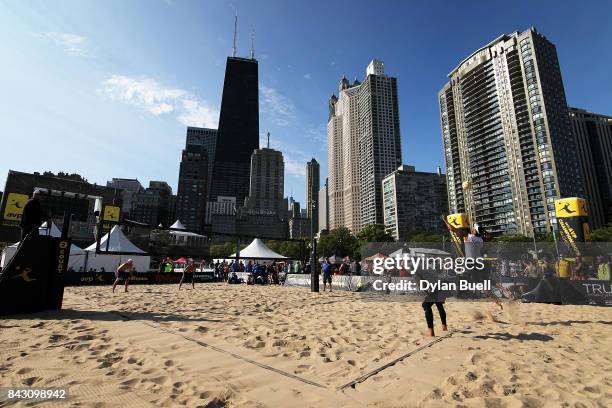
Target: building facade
(414, 201)
(593, 133)
(363, 147)
(312, 190)
(192, 188)
(507, 139)
(128, 188)
(238, 134)
(154, 206)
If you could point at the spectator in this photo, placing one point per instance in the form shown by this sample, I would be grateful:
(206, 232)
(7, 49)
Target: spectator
(603, 269)
(563, 268)
(579, 269)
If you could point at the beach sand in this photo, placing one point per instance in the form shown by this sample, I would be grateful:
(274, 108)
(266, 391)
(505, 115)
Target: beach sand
(244, 346)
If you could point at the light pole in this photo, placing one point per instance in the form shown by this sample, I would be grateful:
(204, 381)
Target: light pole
(314, 269)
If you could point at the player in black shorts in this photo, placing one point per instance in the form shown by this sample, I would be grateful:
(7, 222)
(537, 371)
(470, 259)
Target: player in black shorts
(123, 273)
(188, 272)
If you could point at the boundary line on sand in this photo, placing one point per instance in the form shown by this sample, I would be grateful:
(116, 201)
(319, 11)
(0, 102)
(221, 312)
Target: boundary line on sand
(364, 377)
(220, 350)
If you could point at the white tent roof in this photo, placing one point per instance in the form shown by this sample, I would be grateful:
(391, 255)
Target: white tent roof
(258, 250)
(54, 232)
(178, 225)
(118, 242)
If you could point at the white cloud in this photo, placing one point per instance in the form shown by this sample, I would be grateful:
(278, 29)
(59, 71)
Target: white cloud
(294, 167)
(72, 44)
(149, 95)
(307, 76)
(277, 107)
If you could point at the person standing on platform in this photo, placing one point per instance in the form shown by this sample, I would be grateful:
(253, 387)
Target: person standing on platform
(32, 217)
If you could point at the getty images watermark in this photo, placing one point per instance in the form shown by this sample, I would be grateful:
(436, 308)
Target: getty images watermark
(415, 264)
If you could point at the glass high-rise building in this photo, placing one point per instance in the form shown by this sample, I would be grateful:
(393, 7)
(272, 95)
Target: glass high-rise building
(593, 133)
(238, 133)
(507, 138)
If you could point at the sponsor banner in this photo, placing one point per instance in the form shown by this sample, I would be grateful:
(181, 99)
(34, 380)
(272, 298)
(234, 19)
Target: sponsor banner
(148, 278)
(596, 291)
(14, 207)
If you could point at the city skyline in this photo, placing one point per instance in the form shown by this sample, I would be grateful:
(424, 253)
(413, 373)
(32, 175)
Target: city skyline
(134, 113)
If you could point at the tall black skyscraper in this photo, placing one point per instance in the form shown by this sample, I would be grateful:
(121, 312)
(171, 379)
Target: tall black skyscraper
(238, 130)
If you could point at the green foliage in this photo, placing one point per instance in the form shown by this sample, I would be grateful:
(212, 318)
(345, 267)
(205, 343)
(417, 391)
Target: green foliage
(339, 242)
(603, 234)
(290, 249)
(224, 250)
(374, 233)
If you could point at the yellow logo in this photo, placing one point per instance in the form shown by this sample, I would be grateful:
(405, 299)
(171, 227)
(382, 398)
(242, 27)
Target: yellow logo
(25, 274)
(111, 213)
(14, 206)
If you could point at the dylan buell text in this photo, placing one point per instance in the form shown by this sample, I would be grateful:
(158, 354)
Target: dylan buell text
(427, 286)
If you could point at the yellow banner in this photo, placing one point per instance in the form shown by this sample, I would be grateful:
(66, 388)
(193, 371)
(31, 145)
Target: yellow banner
(459, 220)
(571, 207)
(14, 206)
(111, 213)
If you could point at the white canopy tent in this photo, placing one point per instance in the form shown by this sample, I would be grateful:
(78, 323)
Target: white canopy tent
(178, 226)
(117, 242)
(54, 231)
(258, 250)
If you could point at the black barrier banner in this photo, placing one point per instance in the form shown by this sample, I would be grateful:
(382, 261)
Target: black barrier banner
(107, 278)
(596, 291)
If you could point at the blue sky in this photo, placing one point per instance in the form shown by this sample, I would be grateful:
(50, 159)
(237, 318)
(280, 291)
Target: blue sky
(106, 88)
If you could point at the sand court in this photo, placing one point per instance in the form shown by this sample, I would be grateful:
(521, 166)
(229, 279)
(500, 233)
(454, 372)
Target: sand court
(238, 345)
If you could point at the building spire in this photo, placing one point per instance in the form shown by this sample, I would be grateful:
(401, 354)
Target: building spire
(235, 30)
(268, 140)
(253, 43)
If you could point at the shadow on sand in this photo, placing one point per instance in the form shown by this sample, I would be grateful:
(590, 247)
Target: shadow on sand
(71, 314)
(521, 336)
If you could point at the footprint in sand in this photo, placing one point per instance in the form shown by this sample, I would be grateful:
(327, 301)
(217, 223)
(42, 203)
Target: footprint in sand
(54, 338)
(24, 370)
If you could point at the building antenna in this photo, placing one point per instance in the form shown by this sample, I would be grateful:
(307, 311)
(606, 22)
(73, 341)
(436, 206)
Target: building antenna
(252, 43)
(268, 140)
(235, 29)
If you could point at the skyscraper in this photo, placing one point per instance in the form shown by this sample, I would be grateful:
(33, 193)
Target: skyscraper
(414, 201)
(238, 133)
(363, 147)
(207, 138)
(192, 187)
(266, 192)
(312, 190)
(593, 133)
(507, 137)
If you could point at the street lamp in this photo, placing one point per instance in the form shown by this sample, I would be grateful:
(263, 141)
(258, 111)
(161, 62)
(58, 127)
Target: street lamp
(314, 270)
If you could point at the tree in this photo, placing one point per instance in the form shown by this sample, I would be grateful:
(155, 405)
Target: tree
(374, 233)
(603, 234)
(339, 242)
